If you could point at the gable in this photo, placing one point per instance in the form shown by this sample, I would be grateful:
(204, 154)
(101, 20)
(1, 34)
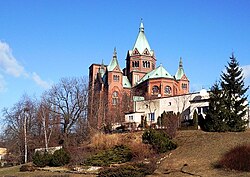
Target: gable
(136, 52)
(184, 77)
(117, 69)
(146, 52)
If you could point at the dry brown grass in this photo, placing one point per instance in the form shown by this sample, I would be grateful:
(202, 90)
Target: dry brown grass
(140, 151)
(101, 141)
(199, 151)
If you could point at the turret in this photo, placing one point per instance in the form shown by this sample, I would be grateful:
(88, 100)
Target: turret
(140, 60)
(182, 79)
(180, 72)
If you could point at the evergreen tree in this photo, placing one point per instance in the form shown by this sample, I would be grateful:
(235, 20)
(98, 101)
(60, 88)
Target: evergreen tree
(215, 117)
(164, 119)
(234, 96)
(195, 119)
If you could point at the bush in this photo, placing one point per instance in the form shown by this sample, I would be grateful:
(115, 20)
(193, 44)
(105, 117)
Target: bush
(25, 168)
(169, 121)
(59, 158)
(237, 159)
(159, 140)
(41, 160)
(141, 151)
(132, 170)
(118, 154)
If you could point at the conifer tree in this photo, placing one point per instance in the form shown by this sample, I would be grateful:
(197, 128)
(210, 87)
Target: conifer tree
(195, 119)
(215, 117)
(234, 98)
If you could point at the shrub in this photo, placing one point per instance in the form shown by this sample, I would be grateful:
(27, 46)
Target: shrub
(237, 158)
(132, 170)
(118, 154)
(25, 168)
(159, 140)
(59, 158)
(141, 151)
(41, 160)
(169, 120)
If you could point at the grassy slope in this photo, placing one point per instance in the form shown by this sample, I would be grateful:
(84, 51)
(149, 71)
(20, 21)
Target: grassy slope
(200, 150)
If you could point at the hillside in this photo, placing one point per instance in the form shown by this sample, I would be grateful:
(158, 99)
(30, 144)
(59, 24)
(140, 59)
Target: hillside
(199, 151)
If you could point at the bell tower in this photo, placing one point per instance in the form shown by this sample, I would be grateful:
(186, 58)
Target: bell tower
(141, 59)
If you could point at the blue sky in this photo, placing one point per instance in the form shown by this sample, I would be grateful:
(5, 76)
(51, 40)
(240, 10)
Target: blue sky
(44, 40)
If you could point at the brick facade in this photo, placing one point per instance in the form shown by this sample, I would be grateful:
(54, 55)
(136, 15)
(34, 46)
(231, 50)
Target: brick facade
(111, 89)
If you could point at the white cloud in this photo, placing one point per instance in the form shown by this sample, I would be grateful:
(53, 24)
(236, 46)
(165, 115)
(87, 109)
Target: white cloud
(8, 63)
(39, 81)
(10, 66)
(246, 71)
(2, 84)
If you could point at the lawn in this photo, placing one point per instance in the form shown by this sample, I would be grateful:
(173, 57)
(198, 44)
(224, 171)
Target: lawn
(14, 172)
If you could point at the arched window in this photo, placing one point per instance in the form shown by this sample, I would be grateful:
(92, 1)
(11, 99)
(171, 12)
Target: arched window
(167, 90)
(136, 63)
(115, 98)
(155, 90)
(133, 64)
(184, 86)
(115, 78)
(148, 64)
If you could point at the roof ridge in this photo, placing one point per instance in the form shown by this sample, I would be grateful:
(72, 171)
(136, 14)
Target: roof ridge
(153, 74)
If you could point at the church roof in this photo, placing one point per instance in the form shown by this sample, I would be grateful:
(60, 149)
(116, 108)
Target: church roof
(114, 62)
(141, 42)
(125, 82)
(180, 72)
(159, 72)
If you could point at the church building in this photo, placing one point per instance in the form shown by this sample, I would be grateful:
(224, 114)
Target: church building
(112, 90)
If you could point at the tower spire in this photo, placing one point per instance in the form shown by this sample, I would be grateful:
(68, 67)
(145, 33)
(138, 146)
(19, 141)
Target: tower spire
(114, 62)
(180, 63)
(141, 29)
(115, 53)
(180, 72)
(101, 69)
(102, 63)
(141, 42)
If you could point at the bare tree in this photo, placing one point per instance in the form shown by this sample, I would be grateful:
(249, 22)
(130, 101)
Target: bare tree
(182, 102)
(151, 104)
(20, 128)
(69, 101)
(47, 119)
